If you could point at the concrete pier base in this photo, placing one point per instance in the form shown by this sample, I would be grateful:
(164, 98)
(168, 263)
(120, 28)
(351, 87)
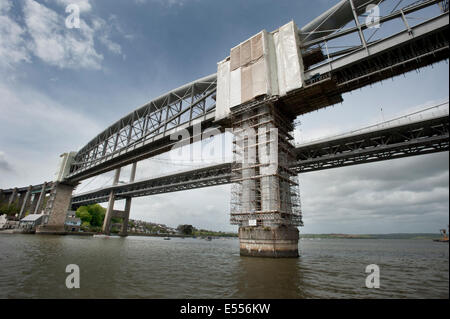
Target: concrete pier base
(274, 242)
(51, 230)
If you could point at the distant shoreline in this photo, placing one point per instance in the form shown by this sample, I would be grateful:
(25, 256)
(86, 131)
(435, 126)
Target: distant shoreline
(411, 236)
(373, 236)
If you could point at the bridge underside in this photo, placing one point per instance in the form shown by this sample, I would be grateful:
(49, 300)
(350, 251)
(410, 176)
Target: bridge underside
(421, 46)
(423, 137)
(265, 209)
(146, 132)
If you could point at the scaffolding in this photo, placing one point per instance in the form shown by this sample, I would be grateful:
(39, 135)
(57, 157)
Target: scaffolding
(443, 5)
(265, 191)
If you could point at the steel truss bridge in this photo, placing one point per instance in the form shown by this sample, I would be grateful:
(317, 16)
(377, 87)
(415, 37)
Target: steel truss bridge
(372, 144)
(146, 132)
(378, 144)
(331, 69)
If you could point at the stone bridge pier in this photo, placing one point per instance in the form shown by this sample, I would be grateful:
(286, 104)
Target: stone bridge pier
(56, 208)
(265, 201)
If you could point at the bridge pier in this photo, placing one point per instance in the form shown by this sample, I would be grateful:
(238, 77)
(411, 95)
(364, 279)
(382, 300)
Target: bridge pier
(110, 212)
(106, 229)
(34, 202)
(56, 208)
(26, 203)
(12, 197)
(278, 241)
(40, 199)
(2, 196)
(126, 217)
(265, 201)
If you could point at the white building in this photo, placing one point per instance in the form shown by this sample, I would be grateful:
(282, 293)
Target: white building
(32, 221)
(3, 221)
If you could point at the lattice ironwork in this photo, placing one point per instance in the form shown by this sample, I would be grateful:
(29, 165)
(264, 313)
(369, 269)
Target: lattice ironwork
(196, 178)
(416, 138)
(179, 108)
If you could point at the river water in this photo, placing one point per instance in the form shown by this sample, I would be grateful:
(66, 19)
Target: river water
(33, 266)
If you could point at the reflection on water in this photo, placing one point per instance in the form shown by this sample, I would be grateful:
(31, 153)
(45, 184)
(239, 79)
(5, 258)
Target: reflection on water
(33, 266)
(269, 278)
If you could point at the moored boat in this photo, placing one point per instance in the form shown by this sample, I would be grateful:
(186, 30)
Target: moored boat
(444, 238)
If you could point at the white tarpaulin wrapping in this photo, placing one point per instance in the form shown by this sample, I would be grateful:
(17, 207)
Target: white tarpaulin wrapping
(289, 63)
(235, 87)
(266, 64)
(223, 90)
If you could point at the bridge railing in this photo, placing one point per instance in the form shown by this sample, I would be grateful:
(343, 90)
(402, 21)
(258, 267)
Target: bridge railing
(431, 112)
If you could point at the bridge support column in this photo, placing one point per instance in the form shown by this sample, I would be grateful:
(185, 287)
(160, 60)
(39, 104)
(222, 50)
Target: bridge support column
(20, 200)
(12, 197)
(278, 241)
(34, 202)
(2, 196)
(56, 209)
(40, 202)
(106, 229)
(26, 203)
(126, 217)
(265, 200)
(109, 212)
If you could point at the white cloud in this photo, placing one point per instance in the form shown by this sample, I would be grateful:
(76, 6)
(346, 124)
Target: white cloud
(104, 29)
(378, 197)
(57, 45)
(12, 44)
(44, 35)
(37, 129)
(84, 5)
(4, 164)
(168, 3)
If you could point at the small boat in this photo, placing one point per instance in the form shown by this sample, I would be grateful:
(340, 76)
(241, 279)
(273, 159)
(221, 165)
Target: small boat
(104, 236)
(444, 238)
(166, 238)
(208, 238)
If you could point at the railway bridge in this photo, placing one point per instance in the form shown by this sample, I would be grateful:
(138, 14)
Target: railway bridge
(259, 90)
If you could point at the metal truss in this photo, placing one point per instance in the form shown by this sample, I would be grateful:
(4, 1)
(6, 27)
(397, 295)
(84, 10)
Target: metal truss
(416, 138)
(146, 132)
(329, 75)
(141, 130)
(411, 139)
(34, 189)
(198, 178)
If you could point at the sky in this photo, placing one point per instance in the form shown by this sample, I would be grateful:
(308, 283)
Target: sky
(60, 87)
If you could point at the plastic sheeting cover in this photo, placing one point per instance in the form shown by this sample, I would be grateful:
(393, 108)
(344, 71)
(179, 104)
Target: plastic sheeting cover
(289, 64)
(266, 64)
(223, 90)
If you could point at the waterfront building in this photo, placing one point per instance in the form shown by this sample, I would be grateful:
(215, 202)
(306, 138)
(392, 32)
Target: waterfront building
(72, 223)
(3, 221)
(31, 221)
